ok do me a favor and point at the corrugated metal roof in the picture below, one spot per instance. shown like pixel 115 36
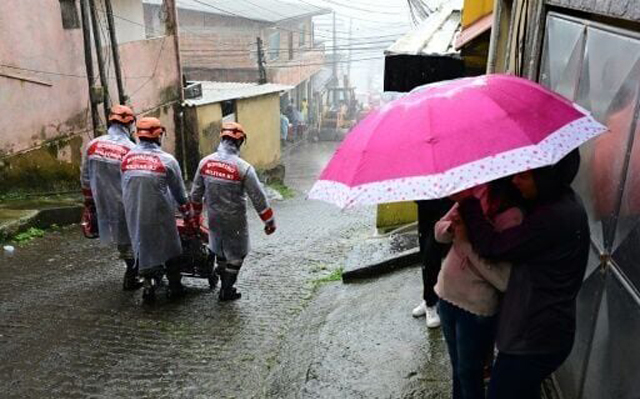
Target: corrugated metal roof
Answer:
pixel 263 10
pixel 215 92
pixel 434 36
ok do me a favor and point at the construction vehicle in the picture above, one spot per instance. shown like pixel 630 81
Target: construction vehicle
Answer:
pixel 338 112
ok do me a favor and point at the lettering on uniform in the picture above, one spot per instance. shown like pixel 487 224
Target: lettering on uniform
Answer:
pixel 220 170
pixel 143 162
pixel 107 151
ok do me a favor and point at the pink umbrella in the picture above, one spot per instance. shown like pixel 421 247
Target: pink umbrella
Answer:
pixel 447 137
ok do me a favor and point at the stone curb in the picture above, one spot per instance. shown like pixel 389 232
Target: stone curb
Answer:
pixel 404 259
pixel 42 219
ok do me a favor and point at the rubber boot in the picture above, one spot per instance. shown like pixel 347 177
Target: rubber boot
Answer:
pixel 131 281
pixel 152 281
pixel 228 278
pixel 149 289
pixel 175 289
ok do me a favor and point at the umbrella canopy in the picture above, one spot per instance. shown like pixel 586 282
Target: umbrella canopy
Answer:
pixel 447 137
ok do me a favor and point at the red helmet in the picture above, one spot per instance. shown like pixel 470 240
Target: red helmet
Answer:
pixel 122 114
pixel 150 128
pixel 233 130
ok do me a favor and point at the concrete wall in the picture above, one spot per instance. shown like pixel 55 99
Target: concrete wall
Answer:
pixel 133 11
pixel 209 123
pixel 46 105
pixel 260 117
pixel 396 214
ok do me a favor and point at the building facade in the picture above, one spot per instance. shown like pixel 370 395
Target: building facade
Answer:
pixel 255 107
pixel 221 43
pixel 44 91
pixel 590 52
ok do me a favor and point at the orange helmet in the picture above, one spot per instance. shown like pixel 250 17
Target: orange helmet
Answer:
pixel 150 128
pixel 233 130
pixel 122 114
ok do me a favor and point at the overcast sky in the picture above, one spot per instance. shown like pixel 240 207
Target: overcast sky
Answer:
pixel 376 24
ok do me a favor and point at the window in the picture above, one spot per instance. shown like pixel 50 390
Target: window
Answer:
pixel 274 46
pixel 303 34
pixel 69 14
pixel 290 45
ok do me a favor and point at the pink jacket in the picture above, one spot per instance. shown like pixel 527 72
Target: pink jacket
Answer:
pixel 465 280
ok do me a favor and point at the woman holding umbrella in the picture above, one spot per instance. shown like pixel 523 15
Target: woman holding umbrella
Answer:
pixel 549 253
pixel 469 288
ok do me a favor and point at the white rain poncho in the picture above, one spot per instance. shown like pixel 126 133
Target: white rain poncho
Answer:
pixel 225 180
pixel 151 186
pixel 101 175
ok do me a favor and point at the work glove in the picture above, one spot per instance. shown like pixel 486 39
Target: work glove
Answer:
pixel 191 216
pixel 270 227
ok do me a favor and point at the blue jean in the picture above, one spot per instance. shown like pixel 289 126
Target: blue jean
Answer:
pixel 469 339
pixel 520 376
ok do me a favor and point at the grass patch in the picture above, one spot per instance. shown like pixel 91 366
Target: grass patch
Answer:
pixel 13 196
pixel 284 190
pixel 335 275
pixel 28 235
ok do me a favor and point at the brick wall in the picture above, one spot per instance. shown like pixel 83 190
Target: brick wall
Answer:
pixel 215 47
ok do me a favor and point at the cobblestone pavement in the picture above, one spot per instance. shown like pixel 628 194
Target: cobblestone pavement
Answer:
pixel 68 331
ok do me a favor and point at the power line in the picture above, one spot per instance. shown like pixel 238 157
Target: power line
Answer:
pixel 227 12
pixel 355 8
pixel 355 46
pixel 151 29
pixel 326 63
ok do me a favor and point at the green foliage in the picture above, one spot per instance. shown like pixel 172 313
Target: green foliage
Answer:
pixel 28 235
pixel 335 275
pixel 285 191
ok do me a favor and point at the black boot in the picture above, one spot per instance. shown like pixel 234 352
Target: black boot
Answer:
pixel 175 289
pixel 131 281
pixel 227 291
pixel 152 281
pixel 149 291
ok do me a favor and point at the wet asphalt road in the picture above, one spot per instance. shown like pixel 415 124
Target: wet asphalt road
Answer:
pixel 68 331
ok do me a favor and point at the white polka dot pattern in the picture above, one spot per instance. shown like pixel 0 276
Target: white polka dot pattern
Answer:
pixel 547 152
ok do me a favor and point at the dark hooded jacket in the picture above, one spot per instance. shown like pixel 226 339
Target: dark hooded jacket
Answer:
pixel 549 252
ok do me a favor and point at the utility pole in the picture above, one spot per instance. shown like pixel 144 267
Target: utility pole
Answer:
pixel 350 49
pixel 172 29
pixel 103 75
pixel 88 60
pixel 115 50
pixel 262 77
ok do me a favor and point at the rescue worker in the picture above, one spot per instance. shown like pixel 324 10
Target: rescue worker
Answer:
pixel 151 186
pixel 102 188
pixel 224 180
